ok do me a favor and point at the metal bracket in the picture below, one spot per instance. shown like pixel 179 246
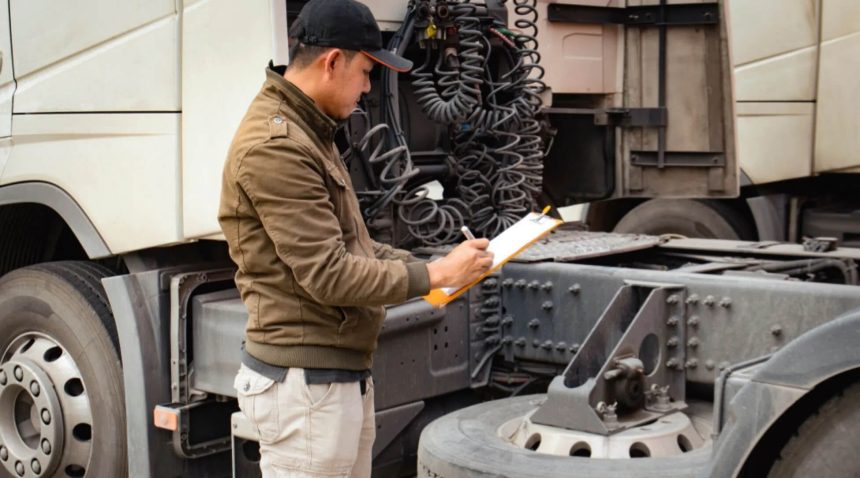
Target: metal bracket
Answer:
pixel 635 347
pixel 631 117
pixel 675 15
pixel 690 159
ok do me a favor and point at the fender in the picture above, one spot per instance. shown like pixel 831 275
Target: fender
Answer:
pixel 63 204
pixel 816 356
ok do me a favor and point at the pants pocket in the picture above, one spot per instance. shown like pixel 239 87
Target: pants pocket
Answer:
pixel 257 396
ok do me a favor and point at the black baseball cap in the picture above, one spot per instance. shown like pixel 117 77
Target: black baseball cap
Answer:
pixel 345 24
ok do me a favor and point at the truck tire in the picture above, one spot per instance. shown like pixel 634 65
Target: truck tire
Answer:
pixel 465 443
pixel 690 218
pixel 60 374
pixel 825 444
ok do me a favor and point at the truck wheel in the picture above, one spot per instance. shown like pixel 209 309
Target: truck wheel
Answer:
pixel 690 218
pixel 61 389
pixel 466 443
pixel 826 443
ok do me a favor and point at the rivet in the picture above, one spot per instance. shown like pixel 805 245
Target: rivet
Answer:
pixel 19 373
pixel 277 120
pixel 491 283
pixel 547 286
pixel 709 364
pixel 534 323
pixel 574 348
pixel 693 321
pixel 507 282
pixel 693 343
pixel 672 321
pixel 506 340
pixel 34 388
pixel 560 346
pixel 672 299
pixel 723 365
pixel 693 299
pixel 574 289
pixel 692 363
pixel 520 342
pixel 672 342
pixel 520 283
pixel 709 301
pixel 535 343
pixel 547 345
pixel 672 363
pixel 546 305
pixel 507 320
pixel 46 446
pixel 46 416
pixel 534 284
pixel 725 302
pixel 35 466
pixel 776 330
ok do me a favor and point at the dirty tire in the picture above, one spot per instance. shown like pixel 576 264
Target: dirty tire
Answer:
pixel 65 304
pixel 826 443
pixel 465 444
pixel 690 218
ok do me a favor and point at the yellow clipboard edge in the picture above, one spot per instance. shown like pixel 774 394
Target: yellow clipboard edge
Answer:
pixel 437 298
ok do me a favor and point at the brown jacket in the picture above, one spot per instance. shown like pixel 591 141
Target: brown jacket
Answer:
pixel 313 281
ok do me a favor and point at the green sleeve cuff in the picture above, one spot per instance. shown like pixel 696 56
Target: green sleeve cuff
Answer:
pixel 419 279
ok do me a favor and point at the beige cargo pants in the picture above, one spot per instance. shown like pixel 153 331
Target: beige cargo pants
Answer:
pixel 309 430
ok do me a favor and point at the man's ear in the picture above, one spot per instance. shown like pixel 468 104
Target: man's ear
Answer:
pixel 330 60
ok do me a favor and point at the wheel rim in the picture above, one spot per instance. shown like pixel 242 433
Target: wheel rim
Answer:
pixel 668 436
pixel 45 414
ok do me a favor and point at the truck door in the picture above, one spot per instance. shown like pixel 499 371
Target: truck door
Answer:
pixel 659 119
pixel 7 84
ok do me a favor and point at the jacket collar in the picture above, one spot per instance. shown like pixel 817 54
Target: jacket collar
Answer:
pixel 304 107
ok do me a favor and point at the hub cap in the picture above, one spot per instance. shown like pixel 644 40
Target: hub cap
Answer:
pixel 45 414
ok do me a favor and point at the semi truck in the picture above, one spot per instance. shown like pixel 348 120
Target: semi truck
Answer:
pixel 590 354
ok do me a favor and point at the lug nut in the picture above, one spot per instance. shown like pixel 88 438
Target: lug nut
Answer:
pixel 46 446
pixel 34 388
pixel 46 416
pixel 3 378
pixel 19 468
pixel 4 453
pixel 35 466
pixel 19 373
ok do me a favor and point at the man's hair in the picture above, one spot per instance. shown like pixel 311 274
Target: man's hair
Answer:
pixel 302 55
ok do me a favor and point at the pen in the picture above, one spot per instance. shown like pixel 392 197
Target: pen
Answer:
pixel 542 214
pixel 466 232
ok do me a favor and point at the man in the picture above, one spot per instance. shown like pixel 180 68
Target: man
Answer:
pixel 313 281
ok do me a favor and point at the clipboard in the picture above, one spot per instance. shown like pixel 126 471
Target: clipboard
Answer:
pixel 504 247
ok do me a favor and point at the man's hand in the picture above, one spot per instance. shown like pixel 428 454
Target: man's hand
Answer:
pixel 467 262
